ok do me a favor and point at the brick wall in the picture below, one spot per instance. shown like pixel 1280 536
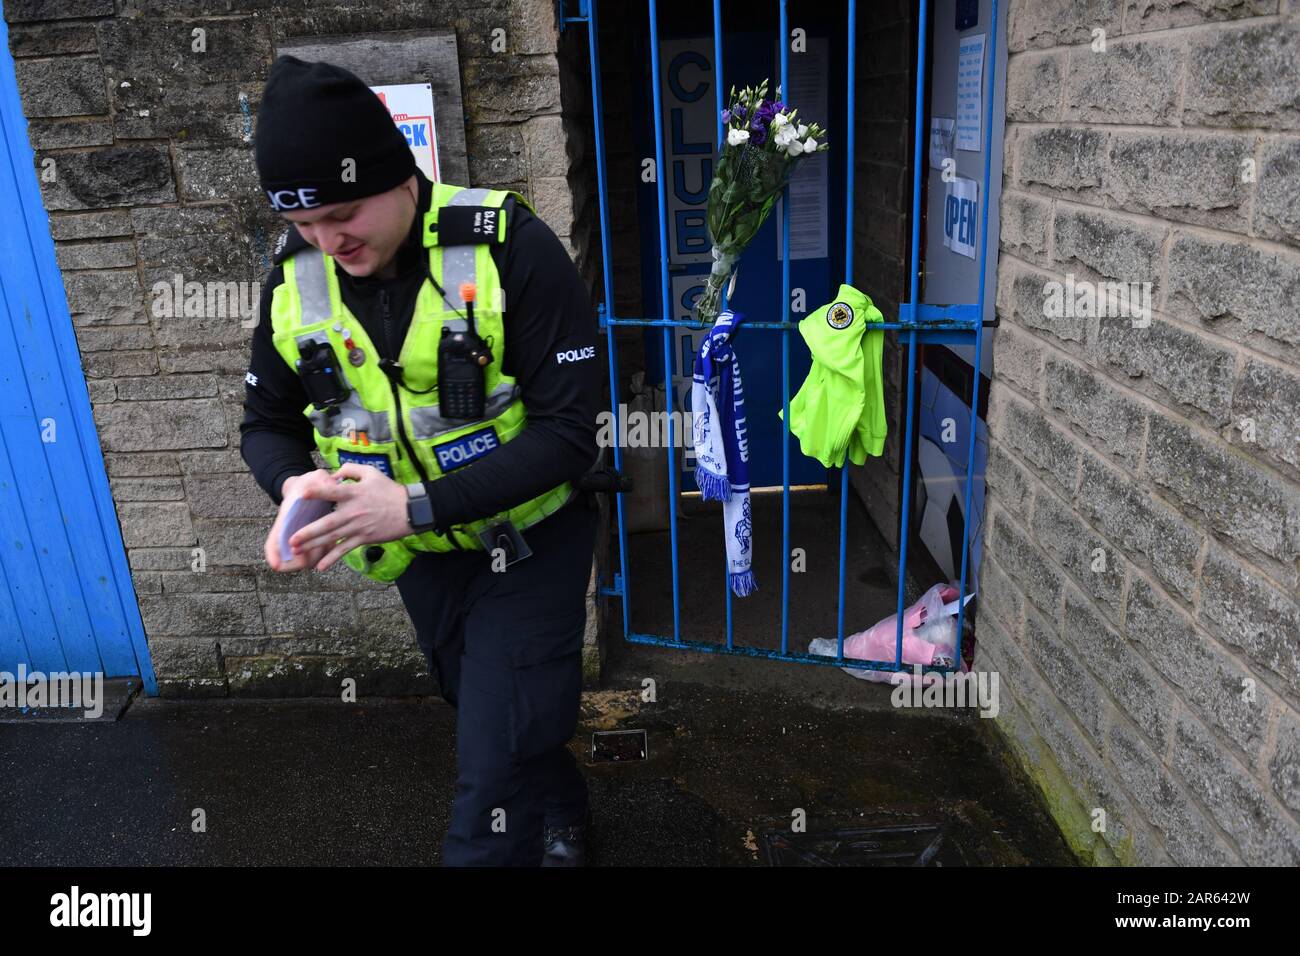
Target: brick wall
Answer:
pixel 1140 571
pixel 150 143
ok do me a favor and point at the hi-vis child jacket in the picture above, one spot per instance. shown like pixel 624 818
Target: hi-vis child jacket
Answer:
pixel 841 407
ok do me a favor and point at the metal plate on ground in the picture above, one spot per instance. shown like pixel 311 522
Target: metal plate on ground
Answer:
pixel 619 746
pixel 906 845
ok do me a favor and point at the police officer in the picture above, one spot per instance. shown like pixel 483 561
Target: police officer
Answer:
pixel 436 345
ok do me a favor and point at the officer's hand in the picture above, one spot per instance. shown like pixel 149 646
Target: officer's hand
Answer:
pixel 271 549
pixel 369 510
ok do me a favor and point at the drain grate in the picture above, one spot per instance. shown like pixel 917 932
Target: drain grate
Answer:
pixel 619 746
pixel 905 845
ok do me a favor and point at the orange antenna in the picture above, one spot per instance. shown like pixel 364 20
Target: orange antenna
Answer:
pixel 468 291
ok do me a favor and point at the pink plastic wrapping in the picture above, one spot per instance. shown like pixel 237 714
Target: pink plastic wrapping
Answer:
pixel 877 643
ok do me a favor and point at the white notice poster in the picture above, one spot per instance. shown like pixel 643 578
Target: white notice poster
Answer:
pixel 810 184
pixel 970 85
pixel 941 133
pixel 411 105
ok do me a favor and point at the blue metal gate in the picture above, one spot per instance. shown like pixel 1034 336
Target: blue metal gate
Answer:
pixel 67 602
pixel 960 323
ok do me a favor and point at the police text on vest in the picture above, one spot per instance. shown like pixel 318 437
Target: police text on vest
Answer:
pixel 461 451
pixel 575 355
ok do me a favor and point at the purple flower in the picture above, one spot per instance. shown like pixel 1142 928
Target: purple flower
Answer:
pixel 738 111
pixel 757 132
pixel 726 117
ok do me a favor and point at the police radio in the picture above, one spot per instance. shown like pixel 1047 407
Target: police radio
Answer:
pixel 462 360
pixel 318 369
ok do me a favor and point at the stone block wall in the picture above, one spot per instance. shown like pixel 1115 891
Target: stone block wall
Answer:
pixel 141 115
pixel 1141 571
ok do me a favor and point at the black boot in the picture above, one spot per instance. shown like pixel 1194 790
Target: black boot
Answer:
pixel 565 846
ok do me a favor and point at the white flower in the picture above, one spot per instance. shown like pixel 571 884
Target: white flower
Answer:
pixel 809 145
pixel 779 120
pixel 793 148
pixel 736 137
pixel 784 136
pixel 803 130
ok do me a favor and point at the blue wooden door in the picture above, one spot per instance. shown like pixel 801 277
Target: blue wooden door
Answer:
pixel 66 598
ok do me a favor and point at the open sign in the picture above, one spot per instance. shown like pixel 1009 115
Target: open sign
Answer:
pixel 960 216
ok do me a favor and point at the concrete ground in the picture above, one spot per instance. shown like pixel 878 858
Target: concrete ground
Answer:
pixel 736 748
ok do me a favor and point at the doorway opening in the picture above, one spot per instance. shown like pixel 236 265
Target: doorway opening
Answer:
pixel 829 554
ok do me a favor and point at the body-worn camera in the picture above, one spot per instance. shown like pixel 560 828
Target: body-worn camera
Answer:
pixel 319 371
pixel 462 357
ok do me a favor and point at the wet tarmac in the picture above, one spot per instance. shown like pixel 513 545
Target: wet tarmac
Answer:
pixel 319 782
pixel 750 762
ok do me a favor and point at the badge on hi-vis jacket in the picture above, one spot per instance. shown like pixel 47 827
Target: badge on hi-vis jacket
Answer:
pixel 839 315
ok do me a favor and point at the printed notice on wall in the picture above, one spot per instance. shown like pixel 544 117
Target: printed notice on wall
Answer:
pixel 970 84
pixel 411 105
pixel 960 214
pixel 810 184
pixel 941 133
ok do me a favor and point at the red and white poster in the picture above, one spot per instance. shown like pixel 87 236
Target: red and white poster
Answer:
pixel 411 105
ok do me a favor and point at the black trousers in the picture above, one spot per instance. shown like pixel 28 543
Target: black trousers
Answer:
pixel 506 649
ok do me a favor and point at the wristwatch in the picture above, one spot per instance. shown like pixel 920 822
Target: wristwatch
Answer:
pixel 419 509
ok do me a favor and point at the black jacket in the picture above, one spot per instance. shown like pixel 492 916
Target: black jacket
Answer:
pixel 548 313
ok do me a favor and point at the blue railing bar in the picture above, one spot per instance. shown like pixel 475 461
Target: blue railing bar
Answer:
pixel 593 50
pixel 848 277
pixel 988 154
pixel 718 83
pixel 769 653
pixel 665 296
pixel 718 86
pixel 785 355
pixel 979 331
pixel 919 163
pixel 624 586
pixel 966 312
pixel 581 17
pixel 936 325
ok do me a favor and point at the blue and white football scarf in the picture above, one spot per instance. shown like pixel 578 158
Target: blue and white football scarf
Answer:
pixel 721 450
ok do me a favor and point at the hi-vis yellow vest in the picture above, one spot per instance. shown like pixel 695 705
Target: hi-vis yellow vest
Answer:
pixel 399 429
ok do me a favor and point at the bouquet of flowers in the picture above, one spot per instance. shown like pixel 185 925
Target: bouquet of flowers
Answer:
pixel 764 142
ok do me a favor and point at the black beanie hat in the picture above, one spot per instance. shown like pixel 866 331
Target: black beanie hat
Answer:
pixel 312 118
